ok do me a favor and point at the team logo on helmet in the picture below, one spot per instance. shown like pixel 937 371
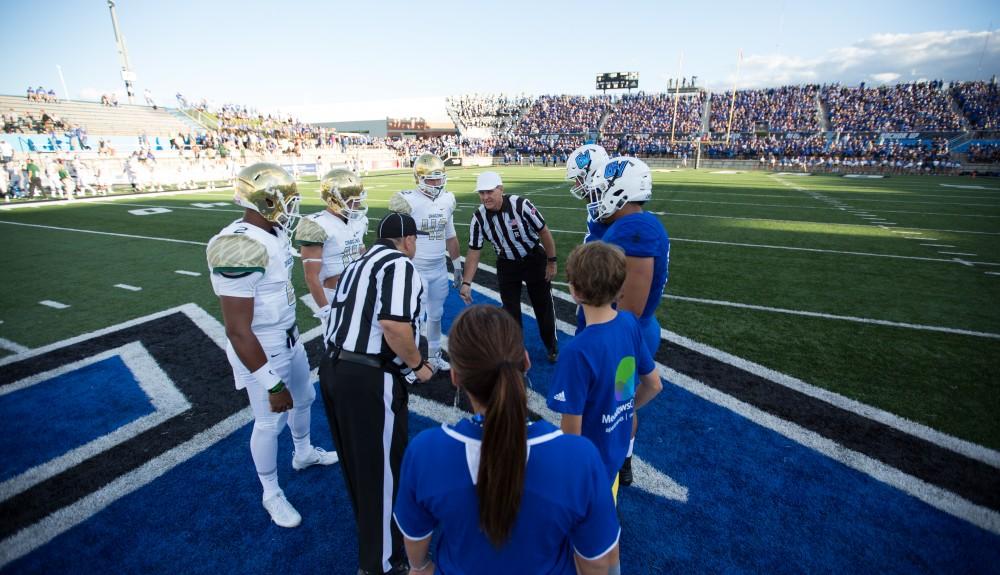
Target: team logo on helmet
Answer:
pixel 583 160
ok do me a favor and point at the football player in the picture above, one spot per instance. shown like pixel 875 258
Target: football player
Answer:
pixel 331 239
pixel 619 190
pixel 433 208
pixel 581 163
pixel 251 262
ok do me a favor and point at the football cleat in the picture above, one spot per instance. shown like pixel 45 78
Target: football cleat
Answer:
pixel 315 456
pixel 438 362
pixel 625 473
pixel 281 511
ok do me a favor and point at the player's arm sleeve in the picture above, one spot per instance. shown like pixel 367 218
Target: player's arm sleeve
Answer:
pixel 237 263
pixel 449 231
pixel 309 233
pixel 597 531
pixel 397 203
pixel 569 388
pixel 476 232
pixel 411 515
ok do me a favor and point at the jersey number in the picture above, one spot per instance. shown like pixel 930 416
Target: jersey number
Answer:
pixel 434 226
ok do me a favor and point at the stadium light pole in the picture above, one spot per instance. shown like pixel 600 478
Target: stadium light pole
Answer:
pixel 127 75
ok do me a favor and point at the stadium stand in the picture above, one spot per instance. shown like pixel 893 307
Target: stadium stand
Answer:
pixel 784 109
pixel 900 108
pixel 654 114
pixel 123 120
pixel 980 102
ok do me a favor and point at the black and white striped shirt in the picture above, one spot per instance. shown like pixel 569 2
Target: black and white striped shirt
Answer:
pixel 513 230
pixel 382 284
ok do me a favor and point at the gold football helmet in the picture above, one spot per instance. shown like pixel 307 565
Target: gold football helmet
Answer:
pixel 428 171
pixel 270 191
pixel 343 192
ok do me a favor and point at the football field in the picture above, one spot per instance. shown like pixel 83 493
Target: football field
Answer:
pixel 837 333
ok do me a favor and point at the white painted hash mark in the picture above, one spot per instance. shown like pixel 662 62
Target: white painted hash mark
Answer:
pixel 12 346
pixel 53 304
pixel 128 287
pixel 957 253
pixel 187 273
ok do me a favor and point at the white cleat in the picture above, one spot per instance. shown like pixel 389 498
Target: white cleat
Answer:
pixel 315 456
pixel 438 363
pixel 282 512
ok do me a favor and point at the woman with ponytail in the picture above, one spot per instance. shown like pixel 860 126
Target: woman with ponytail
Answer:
pixel 503 495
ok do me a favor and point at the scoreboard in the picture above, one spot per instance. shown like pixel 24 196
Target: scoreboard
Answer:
pixel 618 81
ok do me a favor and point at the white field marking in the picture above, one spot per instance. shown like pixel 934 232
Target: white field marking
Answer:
pixel 810 222
pixel 966 448
pixel 915 326
pixel 653 481
pixel 11 346
pixel 310 302
pixel 61 229
pixel 916 238
pixel 934 496
pixel 904 231
pixel 930 494
pixel 937 245
pixel 965 263
pixel 992 273
pixel 53 304
pixel 102 199
pixel 149 211
pixel 128 287
pixel 892 224
pixel 167 402
pixel 187 273
pixel 957 254
pixel 967 187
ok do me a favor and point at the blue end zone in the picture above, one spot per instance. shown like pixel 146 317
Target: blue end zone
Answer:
pixel 758 503
pixel 49 418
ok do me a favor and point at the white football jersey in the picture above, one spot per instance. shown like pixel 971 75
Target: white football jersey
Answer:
pixel 246 261
pixel 342 241
pixel 436 217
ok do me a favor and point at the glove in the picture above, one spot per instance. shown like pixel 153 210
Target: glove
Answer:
pixel 323 313
pixel 458 277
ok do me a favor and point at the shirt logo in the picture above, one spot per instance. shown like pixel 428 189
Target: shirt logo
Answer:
pixel 625 379
pixel 561 396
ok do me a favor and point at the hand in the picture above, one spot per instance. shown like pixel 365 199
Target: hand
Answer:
pixel 429 570
pixel 550 271
pixel 457 276
pixel 466 293
pixel 281 401
pixel 424 373
pixel 323 313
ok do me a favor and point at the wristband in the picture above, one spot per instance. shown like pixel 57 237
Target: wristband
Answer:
pixel 278 388
pixel 422 567
pixel 467 284
pixel 266 377
pixel 553 259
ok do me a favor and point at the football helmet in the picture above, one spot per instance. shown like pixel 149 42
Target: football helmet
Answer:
pixel 343 192
pixel 622 180
pixel 579 165
pixel 428 168
pixel 270 191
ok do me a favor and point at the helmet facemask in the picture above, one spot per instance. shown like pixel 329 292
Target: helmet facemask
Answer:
pixel 432 191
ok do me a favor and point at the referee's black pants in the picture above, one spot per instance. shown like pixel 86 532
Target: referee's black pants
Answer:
pixel 530 270
pixel 367 410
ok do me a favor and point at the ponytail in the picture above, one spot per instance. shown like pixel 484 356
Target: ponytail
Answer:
pixel 503 455
pixel 488 361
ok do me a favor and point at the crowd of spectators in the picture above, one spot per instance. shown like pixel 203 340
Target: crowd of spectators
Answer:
pixel 654 114
pixel 984 153
pixel 784 109
pixel 40 94
pixel 110 100
pixel 564 114
pixel 899 108
pixel 980 102
pixel 497 112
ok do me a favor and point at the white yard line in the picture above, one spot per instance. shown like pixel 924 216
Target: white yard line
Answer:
pixel 957 254
pixel 865 320
pixel 61 229
pixel 936 245
pixel 12 346
pixel 53 304
pixel 128 287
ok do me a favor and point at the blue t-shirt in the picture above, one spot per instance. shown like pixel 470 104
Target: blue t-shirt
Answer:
pixel 566 506
pixel 596 377
pixel 595 229
pixel 642 235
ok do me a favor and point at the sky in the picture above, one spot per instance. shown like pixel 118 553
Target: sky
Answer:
pixel 367 59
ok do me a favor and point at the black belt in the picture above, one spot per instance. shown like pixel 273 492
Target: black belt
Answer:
pixel 358 358
pixel 291 336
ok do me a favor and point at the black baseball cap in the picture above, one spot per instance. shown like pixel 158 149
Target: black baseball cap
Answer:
pixel 396 225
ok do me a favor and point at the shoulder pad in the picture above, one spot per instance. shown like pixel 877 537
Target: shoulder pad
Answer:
pixel 309 233
pixel 237 253
pixel 397 203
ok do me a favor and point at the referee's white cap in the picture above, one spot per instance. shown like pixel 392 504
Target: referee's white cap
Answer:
pixel 488 181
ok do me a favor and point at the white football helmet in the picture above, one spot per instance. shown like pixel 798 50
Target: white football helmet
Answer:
pixel 580 163
pixel 622 180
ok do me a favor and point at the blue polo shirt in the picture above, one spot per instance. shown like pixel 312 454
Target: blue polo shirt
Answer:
pixel 641 235
pixel 566 506
pixel 596 378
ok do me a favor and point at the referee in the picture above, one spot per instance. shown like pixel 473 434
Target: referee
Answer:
pixel 525 250
pixel 370 347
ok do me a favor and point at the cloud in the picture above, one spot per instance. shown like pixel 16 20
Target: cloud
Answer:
pixel 884 58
